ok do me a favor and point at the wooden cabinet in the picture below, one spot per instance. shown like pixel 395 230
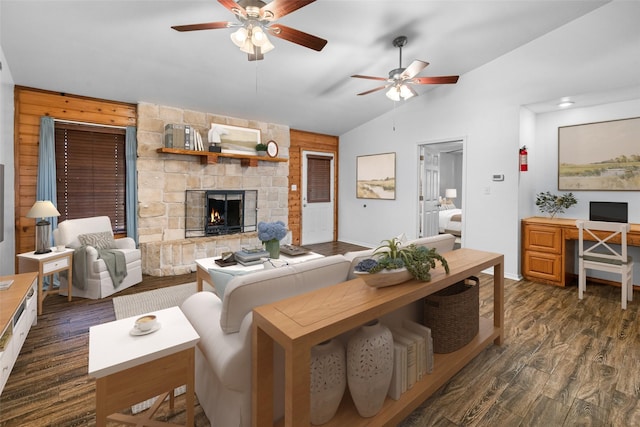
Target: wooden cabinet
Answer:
pixel 542 252
pixel 18 312
pixel 300 322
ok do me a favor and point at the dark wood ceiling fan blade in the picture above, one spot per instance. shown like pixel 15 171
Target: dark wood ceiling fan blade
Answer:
pixel 280 8
pixel 233 7
pixel 297 37
pixel 435 80
pixel 360 76
pixel 205 26
pixel 373 90
pixel 413 69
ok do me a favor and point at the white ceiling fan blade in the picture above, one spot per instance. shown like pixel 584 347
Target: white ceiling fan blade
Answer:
pixel 413 69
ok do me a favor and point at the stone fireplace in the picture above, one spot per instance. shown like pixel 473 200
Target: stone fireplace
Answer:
pixel 168 238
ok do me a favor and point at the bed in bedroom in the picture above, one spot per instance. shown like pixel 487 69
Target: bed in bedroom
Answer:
pixel 450 220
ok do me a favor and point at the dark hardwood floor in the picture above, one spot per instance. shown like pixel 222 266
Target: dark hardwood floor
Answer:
pixel 565 362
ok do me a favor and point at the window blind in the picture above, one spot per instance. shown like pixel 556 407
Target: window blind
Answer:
pixel 91 173
pixel 318 179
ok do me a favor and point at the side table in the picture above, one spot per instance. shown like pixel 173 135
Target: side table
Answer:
pixel 130 369
pixel 46 265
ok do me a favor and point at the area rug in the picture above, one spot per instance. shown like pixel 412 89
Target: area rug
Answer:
pixel 158 299
pixel 145 302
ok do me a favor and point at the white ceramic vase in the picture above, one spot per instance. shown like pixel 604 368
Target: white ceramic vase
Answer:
pixel 328 380
pixel 369 367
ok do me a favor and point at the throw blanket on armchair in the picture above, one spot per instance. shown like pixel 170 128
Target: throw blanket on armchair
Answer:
pixel 113 259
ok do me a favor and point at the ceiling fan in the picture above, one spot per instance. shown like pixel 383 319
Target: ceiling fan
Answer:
pixel 400 79
pixel 257 18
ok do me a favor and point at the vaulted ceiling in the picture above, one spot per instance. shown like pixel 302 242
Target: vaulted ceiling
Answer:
pixel 127 51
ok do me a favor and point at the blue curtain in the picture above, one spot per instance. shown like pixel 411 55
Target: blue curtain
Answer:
pixel 46 181
pixel 131 150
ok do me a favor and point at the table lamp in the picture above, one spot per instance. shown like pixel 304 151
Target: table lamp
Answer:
pixel 43 209
pixel 450 193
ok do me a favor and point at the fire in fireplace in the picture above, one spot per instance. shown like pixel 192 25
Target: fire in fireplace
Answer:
pixel 219 212
pixel 225 212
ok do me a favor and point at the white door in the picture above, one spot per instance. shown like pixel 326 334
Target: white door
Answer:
pixel 317 197
pixel 429 191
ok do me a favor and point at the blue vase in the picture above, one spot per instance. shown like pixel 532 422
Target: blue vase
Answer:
pixel 273 247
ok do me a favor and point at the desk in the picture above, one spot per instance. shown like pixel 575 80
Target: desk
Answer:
pixel 300 322
pixel 129 369
pixel 46 265
pixel 204 264
pixel 548 248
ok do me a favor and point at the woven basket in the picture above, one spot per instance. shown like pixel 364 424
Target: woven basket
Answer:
pixel 453 314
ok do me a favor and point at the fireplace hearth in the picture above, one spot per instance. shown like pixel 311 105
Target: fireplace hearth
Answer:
pixel 220 212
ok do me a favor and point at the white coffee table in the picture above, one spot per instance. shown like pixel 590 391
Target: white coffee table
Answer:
pixel 130 369
pixel 204 264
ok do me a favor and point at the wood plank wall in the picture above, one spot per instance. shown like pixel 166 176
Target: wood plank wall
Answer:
pixel 30 105
pixel 301 140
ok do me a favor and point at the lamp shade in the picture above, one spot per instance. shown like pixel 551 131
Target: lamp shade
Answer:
pixel 42 209
pixel 451 193
pixel 393 93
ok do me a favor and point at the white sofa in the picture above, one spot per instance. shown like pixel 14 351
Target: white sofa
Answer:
pixel 223 355
pixel 98 283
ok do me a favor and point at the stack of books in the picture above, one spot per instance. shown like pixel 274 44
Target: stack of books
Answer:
pixel 250 256
pixel 183 137
pixel 413 356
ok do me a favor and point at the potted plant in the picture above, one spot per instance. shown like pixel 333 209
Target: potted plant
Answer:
pixel 552 204
pixel 261 149
pixel 395 264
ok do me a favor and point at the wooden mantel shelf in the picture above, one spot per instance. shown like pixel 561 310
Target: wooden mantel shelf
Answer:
pixel 207 158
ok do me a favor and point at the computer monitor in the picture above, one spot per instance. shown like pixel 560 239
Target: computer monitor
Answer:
pixel 609 211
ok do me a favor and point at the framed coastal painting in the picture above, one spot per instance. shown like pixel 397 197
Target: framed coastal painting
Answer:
pixel 376 176
pixel 238 140
pixel 602 156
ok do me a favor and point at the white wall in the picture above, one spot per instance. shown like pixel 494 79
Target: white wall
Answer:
pixel 546 162
pixel 546 146
pixel 7 247
pixel 597 52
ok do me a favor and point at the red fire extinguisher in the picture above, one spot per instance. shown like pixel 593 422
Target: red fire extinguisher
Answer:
pixel 523 159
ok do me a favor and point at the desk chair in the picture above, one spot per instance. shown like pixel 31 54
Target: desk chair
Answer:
pixel 599 255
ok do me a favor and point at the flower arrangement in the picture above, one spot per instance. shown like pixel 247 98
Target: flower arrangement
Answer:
pixel 271 230
pixel 552 204
pixel 270 233
pixel 417 260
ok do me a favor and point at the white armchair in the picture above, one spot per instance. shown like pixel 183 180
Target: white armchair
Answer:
pixel 97 283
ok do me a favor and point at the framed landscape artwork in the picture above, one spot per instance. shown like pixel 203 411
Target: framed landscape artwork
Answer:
pixel 602 156
pixel 239 140
pixel 376 176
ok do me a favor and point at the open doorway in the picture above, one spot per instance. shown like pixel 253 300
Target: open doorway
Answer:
pixel 441 188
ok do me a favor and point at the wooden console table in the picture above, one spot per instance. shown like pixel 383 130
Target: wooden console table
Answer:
pixel 300 322
pixel 549 248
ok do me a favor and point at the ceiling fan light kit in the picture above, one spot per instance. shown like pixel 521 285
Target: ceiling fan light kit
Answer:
pixel 257 18
pixel 400 78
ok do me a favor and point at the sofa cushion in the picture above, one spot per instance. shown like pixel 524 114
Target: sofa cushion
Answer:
pixel 220 278
pixel 100 240
pixel 243 293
